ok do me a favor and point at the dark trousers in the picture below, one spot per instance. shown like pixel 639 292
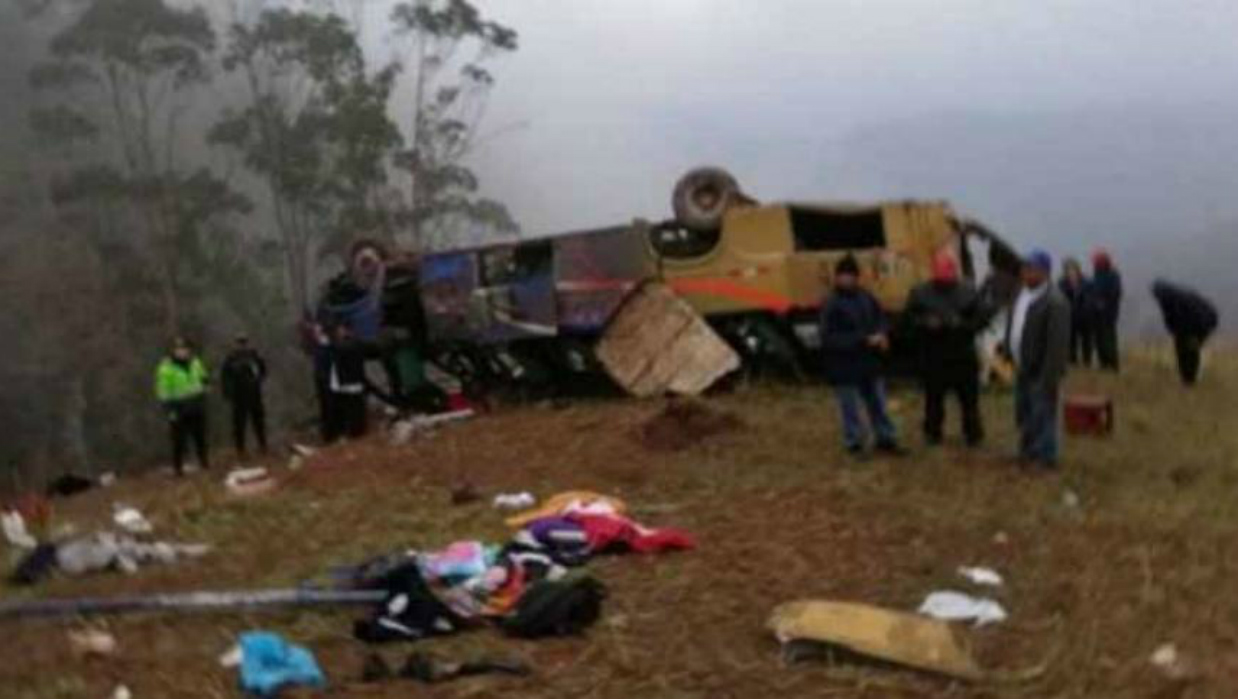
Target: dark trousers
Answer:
pixel 965 385
pixel 249 412
pixel 347 416
pixel 1036 412
pixel 1188 348
pixel 188 422
pixel 1082 344
pixel 1106 345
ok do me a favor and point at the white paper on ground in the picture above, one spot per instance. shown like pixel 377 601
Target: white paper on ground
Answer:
pixel 955 606
pixel 131 520
pixel 14 526
pixel 514 501
pixel 980 576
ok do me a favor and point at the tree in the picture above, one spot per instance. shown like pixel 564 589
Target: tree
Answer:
pixel 448 103
pixel 121 71
pixel 314 127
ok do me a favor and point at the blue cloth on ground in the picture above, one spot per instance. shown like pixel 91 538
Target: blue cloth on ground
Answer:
pixel 270 663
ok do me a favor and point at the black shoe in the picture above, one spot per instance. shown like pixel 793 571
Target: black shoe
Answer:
pixel 890 448
pixel 857 451
pixel 933 440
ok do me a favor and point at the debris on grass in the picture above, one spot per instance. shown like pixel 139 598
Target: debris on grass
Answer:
pixel 14 526
pixel 247 482
pixel 90 642
pixel 875 633
pixel 269 664
pixel 513 501
pixel 981 576
pixel 1171 662
pixel 956 606
pixel 130 519
pixel 684 423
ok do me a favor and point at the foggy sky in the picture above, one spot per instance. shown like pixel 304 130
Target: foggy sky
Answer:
pixel 1061 123
pixel 613 100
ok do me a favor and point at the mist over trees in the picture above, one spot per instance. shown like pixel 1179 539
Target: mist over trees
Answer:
pixel 198 168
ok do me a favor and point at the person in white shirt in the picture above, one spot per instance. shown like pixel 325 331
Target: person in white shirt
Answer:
pixel 1038 340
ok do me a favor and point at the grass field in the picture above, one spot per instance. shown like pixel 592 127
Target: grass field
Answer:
pixel 1147 556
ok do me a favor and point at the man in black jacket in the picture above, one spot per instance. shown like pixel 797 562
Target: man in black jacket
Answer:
pixel 853 336
pixel 241 379
pixel 1037 338
pixel 1191 319
pixel 946 315
pixel 348 386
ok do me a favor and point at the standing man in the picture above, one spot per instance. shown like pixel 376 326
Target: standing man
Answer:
pixel 854 336
pixel 241 379
pixel 1077 291
pixel 1106 293
pixel 946 315
pixel 1037 338
pixel 1190 319
pixel 347 386
pixel 181 386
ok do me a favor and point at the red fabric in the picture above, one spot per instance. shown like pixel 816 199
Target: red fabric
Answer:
pixel 606 531
pixel 944 267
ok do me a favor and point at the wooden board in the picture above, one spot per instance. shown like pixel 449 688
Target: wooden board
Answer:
pixel 897 637
pixel 656 343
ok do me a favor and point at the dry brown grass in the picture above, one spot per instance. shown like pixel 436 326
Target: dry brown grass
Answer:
pixel 780 513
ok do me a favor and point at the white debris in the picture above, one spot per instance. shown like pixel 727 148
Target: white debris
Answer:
pixel 956 606
pixel 302 450
pixel 107 478
pixel 1170 662
pixel 1070 500
pixel 122 692
pixel 92 642
pixel 249 481
pixel 231 657
pixel 981 576
pixel 105 550
pixel 1000 539
pixel 14 526
pixel 130 519
pixel 514 501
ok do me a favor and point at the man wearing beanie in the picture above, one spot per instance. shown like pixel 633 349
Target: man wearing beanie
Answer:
pixel 1037 338
pixel 854 336
pixel 945 315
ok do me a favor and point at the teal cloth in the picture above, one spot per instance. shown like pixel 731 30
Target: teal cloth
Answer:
pixel 270 663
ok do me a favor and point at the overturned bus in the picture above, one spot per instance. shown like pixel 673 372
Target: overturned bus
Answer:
pixel 529 311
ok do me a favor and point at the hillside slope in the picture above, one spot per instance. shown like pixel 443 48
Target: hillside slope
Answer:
pixel 1148 555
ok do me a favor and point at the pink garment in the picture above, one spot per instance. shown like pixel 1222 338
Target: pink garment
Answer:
pixel 606 532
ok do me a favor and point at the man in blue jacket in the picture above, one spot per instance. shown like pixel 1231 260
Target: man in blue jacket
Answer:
pixel 854 336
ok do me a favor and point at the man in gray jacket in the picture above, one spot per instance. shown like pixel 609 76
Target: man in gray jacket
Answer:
pixel 1037 338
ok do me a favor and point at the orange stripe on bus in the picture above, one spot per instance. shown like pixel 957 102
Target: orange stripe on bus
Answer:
pixel 729 289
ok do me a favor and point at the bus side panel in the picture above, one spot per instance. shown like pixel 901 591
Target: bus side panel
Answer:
pixel 594 273
pixel 447 282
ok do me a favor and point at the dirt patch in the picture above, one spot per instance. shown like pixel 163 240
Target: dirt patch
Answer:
pixel 684 423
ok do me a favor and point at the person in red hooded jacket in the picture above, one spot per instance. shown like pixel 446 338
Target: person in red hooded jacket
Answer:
pixel 944 316
pixel 1105 294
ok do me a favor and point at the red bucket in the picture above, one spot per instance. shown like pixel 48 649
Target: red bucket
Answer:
pixel 1088 415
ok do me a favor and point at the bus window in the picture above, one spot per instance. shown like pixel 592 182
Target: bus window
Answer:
pixel 819 230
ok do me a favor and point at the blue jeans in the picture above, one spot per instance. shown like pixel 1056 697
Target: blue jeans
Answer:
pixel 872 394
pixel 1036 411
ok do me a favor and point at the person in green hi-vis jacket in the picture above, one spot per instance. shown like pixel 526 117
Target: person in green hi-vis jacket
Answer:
pixel 181 387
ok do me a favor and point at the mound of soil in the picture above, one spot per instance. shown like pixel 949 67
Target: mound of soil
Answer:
pixel 683 423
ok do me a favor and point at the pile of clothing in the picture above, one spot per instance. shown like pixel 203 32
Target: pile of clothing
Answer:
pixel 574 526
pixel 523 586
